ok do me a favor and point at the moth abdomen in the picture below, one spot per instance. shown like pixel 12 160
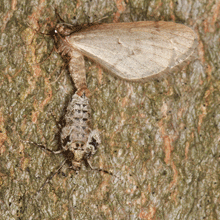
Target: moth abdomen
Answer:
pixel 78 72
pixel 76 60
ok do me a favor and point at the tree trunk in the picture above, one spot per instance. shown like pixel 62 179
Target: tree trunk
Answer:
pixel 160 139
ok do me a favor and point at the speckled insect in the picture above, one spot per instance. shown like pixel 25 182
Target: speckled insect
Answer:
pixel 76 136
pixel 78 141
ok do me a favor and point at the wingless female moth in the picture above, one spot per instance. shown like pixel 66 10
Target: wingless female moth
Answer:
pixel 135 51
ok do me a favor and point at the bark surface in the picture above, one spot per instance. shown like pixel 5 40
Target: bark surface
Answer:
pixel 159 138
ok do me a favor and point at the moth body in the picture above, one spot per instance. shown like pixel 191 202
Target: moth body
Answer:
pixel 76 65
pixel 76 135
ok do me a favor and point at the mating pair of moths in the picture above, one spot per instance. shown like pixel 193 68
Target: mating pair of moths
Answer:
pixel 132 51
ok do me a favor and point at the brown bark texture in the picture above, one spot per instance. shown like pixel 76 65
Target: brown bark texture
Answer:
pixel 160 139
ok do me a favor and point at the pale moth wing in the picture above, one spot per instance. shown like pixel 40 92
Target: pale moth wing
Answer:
pixel 135 51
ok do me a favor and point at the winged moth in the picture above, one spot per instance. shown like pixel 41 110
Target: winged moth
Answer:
pixel 133 51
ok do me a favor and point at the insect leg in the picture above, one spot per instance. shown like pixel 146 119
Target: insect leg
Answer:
pixel 71 203
pixel 43 147
pixel 88 163
pixel 51 176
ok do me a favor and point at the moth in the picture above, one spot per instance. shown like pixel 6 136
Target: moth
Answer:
pixel 77 136
pixel 133 51
pixel 78 141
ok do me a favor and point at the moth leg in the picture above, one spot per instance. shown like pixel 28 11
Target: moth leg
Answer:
pixel 72 203
pixel 43 147
pixel 100 169
pixel 58 15
pixel 41 62
pixel 34 198
pixel 59 75
pixel 37 31
pixel 51 176
pixel 57 121
pixel 90 165
pixel 58 151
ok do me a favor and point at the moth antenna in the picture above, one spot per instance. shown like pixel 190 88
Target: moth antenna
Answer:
pixel 58 15
pixel 62 71
pixel 92 23
pixel 67 24
pixel 100 19
pixel 110 173
pixel 49 178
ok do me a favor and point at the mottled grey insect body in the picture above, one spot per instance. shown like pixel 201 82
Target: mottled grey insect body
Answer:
pixel 76 135
pixel 78 141
pixel 133 51
pixel 77 120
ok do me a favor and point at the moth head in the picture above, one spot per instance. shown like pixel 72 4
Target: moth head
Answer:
pixel 65 29
pixel 62 30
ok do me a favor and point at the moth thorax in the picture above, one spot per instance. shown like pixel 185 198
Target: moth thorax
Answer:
pixel 63 30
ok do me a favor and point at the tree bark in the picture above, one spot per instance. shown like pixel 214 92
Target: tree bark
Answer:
pixel 160 139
